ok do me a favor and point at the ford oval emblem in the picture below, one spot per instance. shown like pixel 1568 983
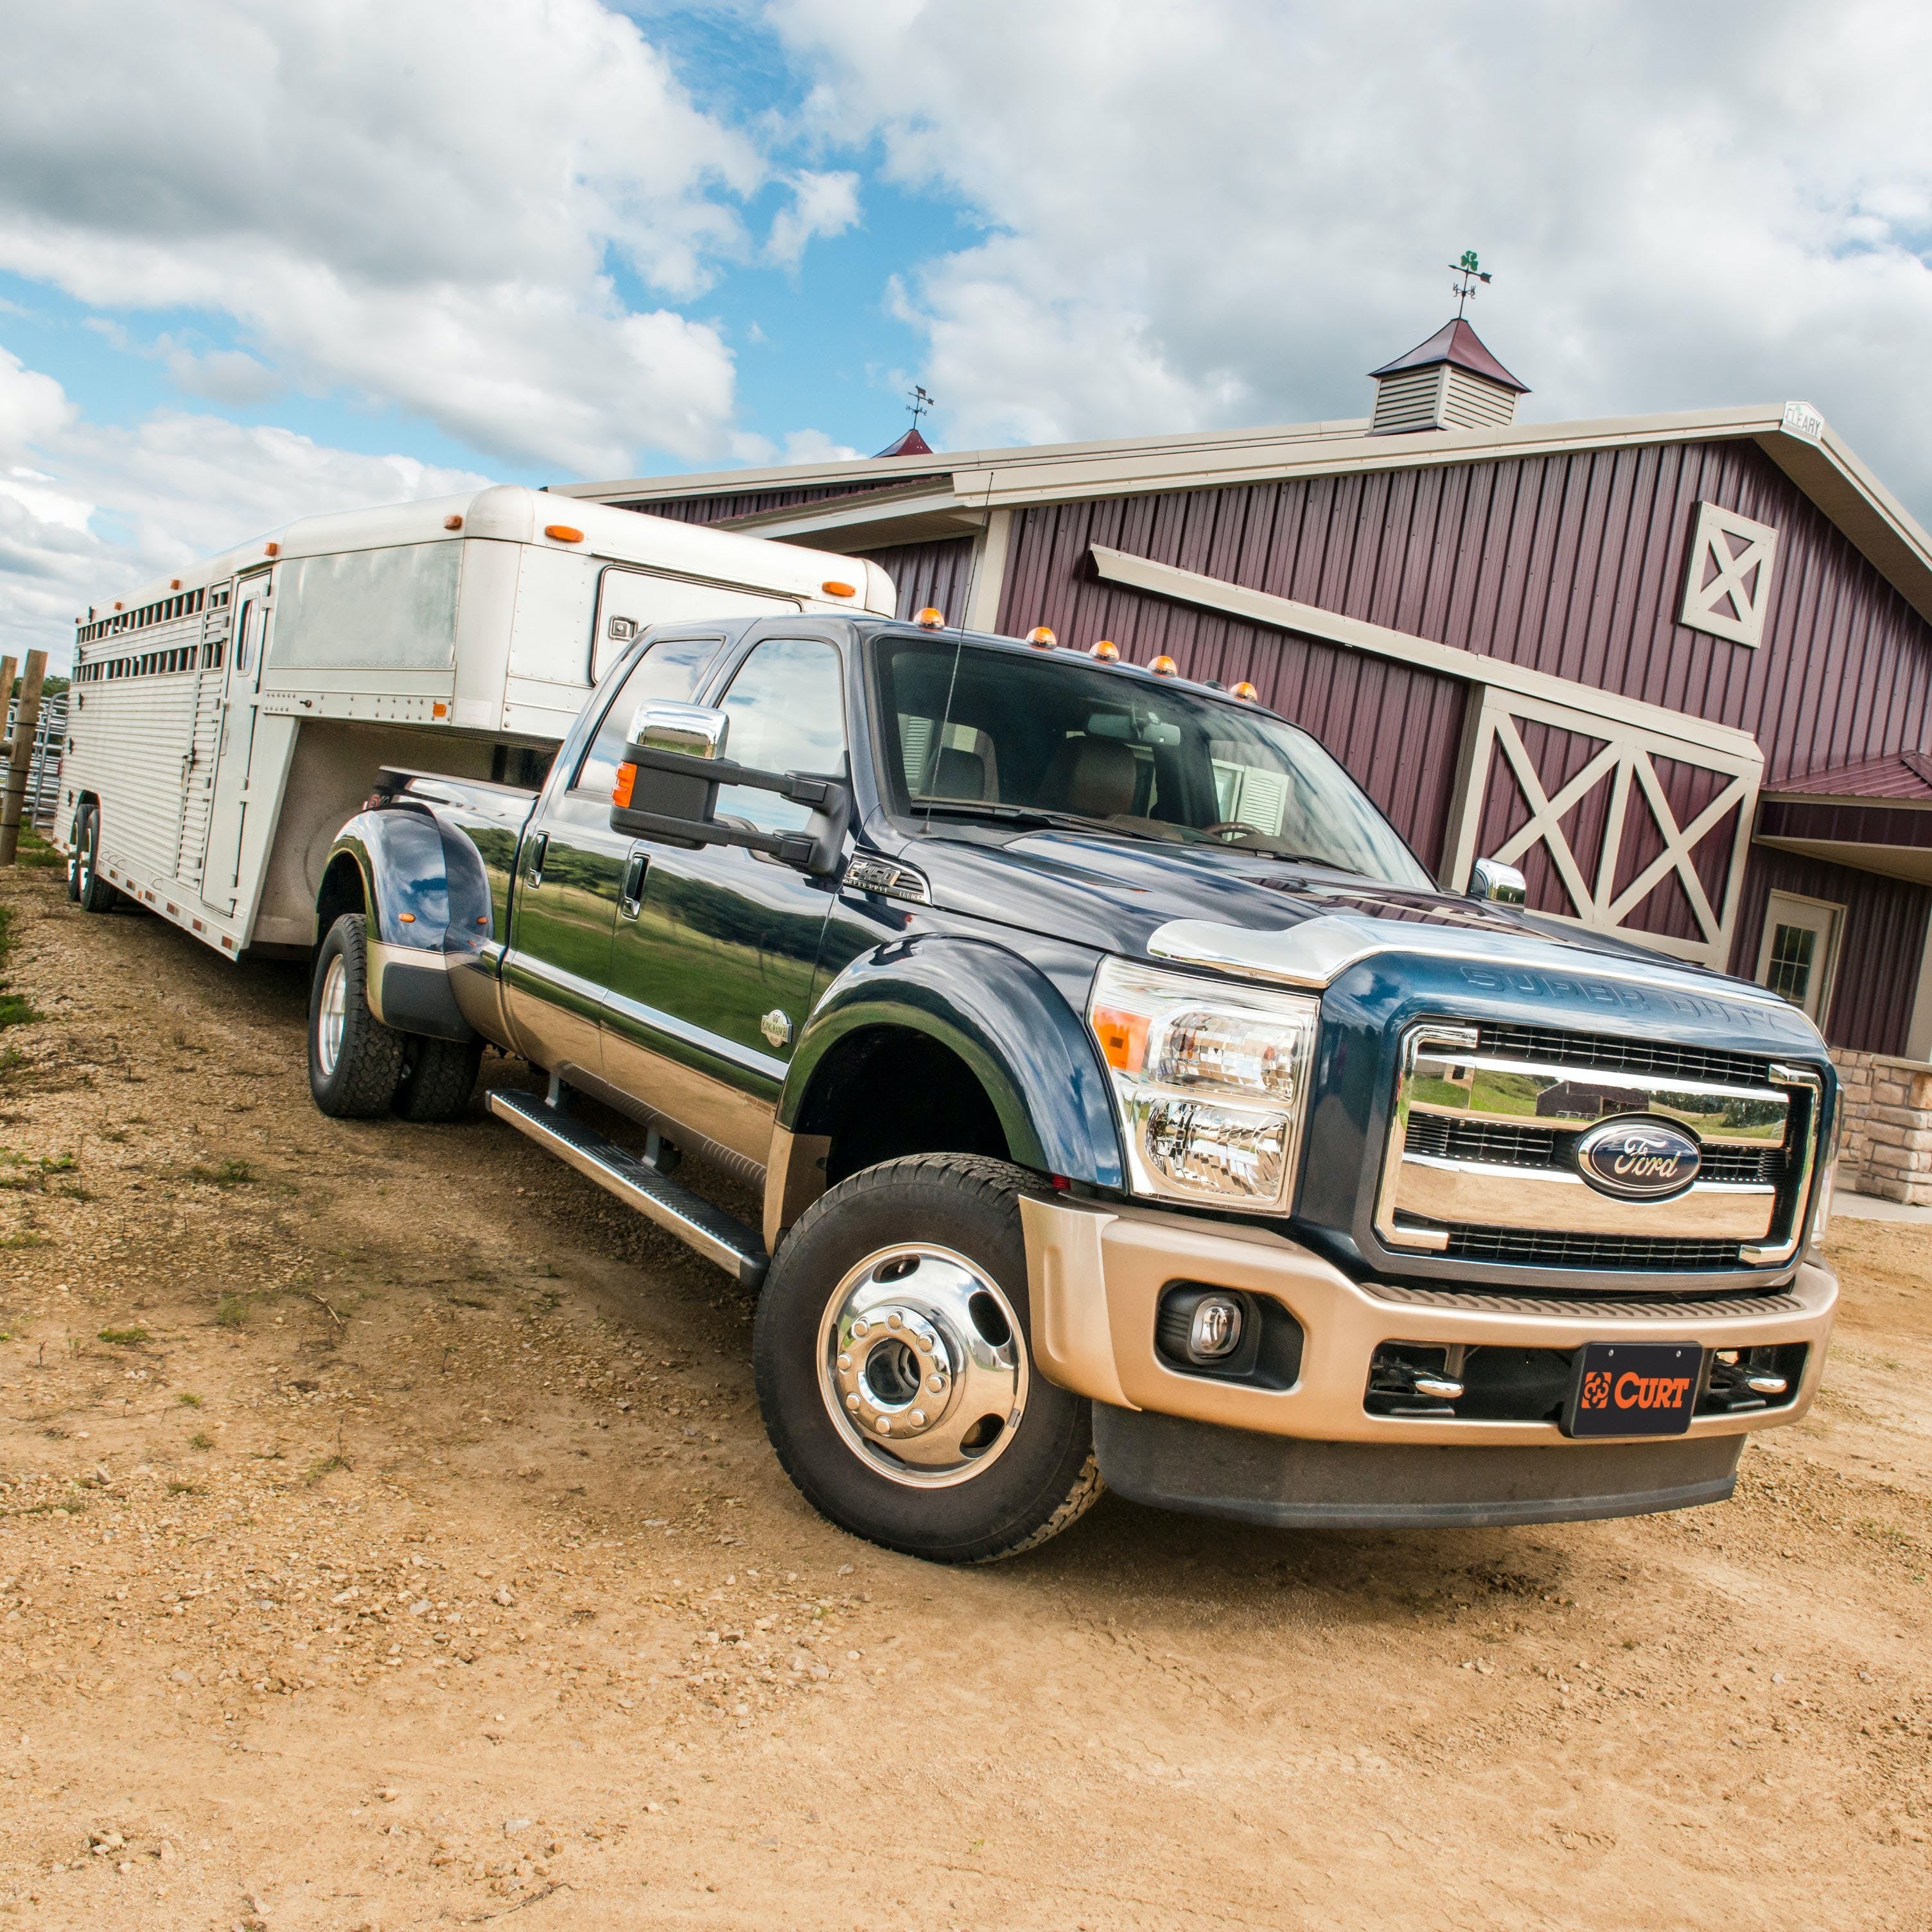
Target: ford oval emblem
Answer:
pixel 1639 1159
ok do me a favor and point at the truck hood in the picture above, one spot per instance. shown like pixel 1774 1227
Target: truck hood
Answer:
pixel 1141 899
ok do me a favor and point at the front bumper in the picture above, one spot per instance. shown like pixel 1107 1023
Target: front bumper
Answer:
pixel 1095 1274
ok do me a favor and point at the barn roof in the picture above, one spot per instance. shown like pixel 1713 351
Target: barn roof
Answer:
pixel 1455 342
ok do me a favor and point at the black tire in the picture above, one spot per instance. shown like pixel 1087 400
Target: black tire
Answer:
pixel 353 1067
pixel 1030 1480
pixel 439 1076
pixel 85 884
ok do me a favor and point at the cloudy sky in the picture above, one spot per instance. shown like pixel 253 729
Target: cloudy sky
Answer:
pixel 261 257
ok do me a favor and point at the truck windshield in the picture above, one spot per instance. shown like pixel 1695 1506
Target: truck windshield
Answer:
pixel 972 731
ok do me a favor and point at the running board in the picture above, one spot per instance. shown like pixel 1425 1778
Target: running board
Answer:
pixel 716 1235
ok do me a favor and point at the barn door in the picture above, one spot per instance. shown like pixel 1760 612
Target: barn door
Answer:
pixel 228 812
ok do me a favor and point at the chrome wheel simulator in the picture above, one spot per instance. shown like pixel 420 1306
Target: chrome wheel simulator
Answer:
pixel 921 1366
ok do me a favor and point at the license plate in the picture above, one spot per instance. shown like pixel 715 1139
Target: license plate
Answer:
pixel 1633 1388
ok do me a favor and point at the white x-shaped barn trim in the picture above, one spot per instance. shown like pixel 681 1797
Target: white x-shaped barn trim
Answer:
pixel 1727 588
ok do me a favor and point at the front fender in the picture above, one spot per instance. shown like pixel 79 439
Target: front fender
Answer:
pixel 1029 1049
pixel 412 898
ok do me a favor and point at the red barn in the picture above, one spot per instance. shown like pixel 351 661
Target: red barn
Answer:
pixel 1677 668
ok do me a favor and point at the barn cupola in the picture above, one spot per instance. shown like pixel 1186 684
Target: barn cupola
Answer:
pixel 1450 381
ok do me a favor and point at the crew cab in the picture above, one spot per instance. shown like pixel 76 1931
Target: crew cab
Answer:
pixel 1127 1107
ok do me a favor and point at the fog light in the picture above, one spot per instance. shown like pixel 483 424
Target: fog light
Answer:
pixel 1215 1333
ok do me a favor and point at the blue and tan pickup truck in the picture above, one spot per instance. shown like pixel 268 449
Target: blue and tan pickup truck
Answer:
pixel 1128 1107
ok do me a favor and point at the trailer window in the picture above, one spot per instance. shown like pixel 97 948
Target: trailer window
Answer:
pixel 669 669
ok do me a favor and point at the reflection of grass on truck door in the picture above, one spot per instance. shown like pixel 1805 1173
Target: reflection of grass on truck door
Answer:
pixel 721 984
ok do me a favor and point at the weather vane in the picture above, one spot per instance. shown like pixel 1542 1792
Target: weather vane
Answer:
pixel 921 402
pixel 1468 274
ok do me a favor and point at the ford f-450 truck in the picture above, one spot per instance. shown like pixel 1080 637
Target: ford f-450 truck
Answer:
pixel 1128 1107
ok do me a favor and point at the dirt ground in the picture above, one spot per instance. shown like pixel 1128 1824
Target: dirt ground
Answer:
pixel 387 1538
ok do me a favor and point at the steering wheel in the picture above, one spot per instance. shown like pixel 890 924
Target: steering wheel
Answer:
pixel 1237 828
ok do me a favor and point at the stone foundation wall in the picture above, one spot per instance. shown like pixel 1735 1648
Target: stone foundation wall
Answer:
pixel 1886 1146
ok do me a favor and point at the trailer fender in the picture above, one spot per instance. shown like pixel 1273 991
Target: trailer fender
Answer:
pixel 1029 1050
pixel 401 862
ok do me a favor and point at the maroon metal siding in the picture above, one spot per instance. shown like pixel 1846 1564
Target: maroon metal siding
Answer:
pixel 1573 564
pixel 936 573
pixel 1878 951
pixel 753 502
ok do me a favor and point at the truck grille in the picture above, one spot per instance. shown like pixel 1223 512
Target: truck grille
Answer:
pixel 1544 1147
pixel 1634 1056
pixel 1485 1161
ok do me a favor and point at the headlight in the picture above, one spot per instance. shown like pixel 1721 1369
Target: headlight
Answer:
pixel 1211 1082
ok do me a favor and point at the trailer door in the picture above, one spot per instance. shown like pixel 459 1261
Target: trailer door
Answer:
pixel 247 641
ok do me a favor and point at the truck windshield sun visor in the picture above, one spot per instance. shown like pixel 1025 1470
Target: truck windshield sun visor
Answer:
pixel 983 730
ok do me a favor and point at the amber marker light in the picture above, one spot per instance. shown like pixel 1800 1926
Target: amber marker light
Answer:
pixel 1164 666
pixel 833 588
pixel 452 523
pixel 931 619
pixel 563 533
pixel 1041 638
pixel 1246 692
pixel 174 584
pixel 620 792
pixel 271 549
pixel 1123 1037
pixel 439 708
pixel 1106 650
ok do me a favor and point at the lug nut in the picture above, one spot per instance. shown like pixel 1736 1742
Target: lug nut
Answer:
pixel 852 1402
pixel 884 1425
pixel 893 1319
pixel 935 1383
pixel 844 1364
pixel 862 1329
pixel 917 1418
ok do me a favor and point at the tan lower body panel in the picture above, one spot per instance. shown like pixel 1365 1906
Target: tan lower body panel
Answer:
pixel 1095 1276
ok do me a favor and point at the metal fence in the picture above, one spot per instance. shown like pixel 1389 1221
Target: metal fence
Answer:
pixel 41 806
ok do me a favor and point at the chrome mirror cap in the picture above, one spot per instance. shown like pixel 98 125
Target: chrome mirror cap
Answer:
pixel 1491 879
pixel 695 730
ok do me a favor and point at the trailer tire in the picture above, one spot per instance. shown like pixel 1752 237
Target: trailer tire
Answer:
pixel 439 1076
pixel 355 1061
pixel 909 1277
pixel 85 885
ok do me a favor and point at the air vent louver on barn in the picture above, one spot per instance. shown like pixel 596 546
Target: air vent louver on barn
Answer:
pixel 1450 381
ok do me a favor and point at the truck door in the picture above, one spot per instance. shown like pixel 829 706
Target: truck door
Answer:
pixel 235 743
pixel 571 869
pixel 712 966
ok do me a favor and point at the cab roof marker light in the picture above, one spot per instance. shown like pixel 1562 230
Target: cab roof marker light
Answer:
pixel 452 523
pixel 1246 692
pixel 1041 638
pixel 1106 650
pixel 931 619
pixel 832 587
pixel 271 549
pixel 563 533
pixel 1164 666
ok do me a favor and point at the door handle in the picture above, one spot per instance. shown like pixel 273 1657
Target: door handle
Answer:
pixel 631 899
pixel 539 845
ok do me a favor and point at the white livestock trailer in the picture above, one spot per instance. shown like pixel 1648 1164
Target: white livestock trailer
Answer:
pixel 224 724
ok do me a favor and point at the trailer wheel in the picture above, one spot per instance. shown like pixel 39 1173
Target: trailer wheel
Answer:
pixel 895 1373
pixel 439 1075
pixel 354 1061
pixel 84 882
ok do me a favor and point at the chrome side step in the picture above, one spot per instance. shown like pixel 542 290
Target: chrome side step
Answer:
pixel 716 1235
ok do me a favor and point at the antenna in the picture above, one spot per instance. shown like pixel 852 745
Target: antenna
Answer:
pixel 1468 274
pixel 922 402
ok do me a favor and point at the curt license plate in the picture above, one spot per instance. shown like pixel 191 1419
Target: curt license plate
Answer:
pixel 1633 1388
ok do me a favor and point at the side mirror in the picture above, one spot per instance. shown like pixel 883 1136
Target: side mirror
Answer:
pixel 666 789
pixel 1491 879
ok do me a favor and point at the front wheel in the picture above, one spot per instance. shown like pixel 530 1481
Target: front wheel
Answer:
pixel 354 1061
pixel 895 1373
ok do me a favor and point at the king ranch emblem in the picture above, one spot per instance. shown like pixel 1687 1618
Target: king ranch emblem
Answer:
pixel 1638 1159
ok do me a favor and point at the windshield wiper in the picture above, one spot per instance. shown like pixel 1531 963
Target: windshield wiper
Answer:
pixel 1029 814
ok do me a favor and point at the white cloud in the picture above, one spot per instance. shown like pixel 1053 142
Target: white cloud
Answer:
pixel 813 446
pixel 1227 212
pixel 822 205
pixel 420 204
pixel 87 512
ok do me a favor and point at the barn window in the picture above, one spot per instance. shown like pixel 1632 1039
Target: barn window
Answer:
pixel 1727 589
